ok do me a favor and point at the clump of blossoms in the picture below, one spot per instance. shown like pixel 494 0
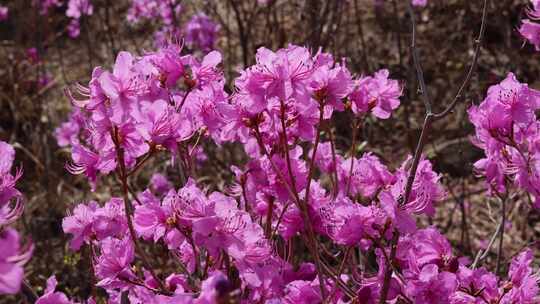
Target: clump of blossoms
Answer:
pixel 13 255
pixel 199 32
pixel 75 10
pixel 508 131
pixel 165 12
pixel 295 193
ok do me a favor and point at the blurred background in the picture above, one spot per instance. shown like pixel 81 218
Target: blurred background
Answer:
pixel 47 46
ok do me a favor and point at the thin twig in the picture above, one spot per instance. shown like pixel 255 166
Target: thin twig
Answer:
pixel 129 207
pixel 28 292
pixel 472 68
pixel 429 118
pixel 352 154
pixel 417 65
pixel 483 254
pixel 501 236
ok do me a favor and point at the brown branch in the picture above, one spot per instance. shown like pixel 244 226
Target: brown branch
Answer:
pixel 129 207
pixel 429 118
pixel 472 68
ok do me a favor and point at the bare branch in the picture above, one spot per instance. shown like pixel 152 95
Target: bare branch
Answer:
pixel 472 68
pixel 417 64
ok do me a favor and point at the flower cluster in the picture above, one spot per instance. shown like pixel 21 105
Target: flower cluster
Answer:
pixel 12 255
pixel 508 131
pixel 145 105
pixel 165 12
pixel 200 32
pixel 75 10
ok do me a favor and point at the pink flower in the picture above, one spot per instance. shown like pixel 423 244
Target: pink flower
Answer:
pixel 531 31
pixel 89 163
pixel 77 8
pixel 426 190
pixel 166 65
pixel 369 175
pixel 478 282
pixel 67 134
pixel 90 222
pixel 74 28
pixel 4 10
pixel 205 108
pixel 426 246
pixel 432 286
pixel 378 94
pixel 506 129
pixel 160 184
pixel 153 9
pixel 80 224
pixel 330 85
pixel 52 297
pixel 207 70
pixel 12 259
pixel 214 289
pixel 113 266
pixel 324 158
pixel 419 2
pixel 278 75
pixel 351 224
pixel 155 221
pixel 535 11
pixel 302 292
pixel 159 124
pixel 7 181
pixel 524 280
pixel 120 87
pixel 201 32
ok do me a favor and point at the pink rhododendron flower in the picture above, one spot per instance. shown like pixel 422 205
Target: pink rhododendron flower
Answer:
pixel 432 286
pixel 160 184
pixel 351 224
pixel 419 2
pixel 531 31
pixel 89 222
pixel 12 258
pixel 426 190
pixel 524 281
pixel 4 11
pixel 201 32
pixel 113 266
pixel 506 128
pixel 77 8
pixel 377 94
pixel 51 296
pixel 7 180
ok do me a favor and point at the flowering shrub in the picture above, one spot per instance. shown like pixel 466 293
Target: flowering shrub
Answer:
pixel 300 221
